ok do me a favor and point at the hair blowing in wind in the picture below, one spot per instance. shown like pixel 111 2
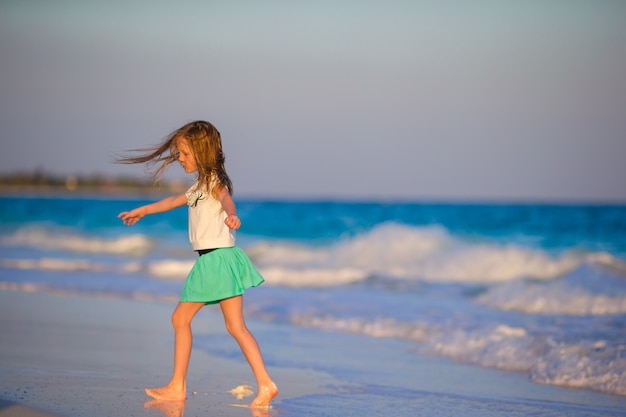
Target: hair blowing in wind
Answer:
pixel 206 144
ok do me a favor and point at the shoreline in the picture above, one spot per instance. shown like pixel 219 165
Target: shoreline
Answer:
pixel 92 356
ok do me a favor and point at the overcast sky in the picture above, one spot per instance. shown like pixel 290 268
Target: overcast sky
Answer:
pixel 462 100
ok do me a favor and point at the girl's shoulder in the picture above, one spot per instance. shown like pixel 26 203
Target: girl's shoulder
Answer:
pixel 201 184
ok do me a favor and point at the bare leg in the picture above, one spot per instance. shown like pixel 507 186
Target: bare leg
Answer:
pixel 232 308
pixel 176 390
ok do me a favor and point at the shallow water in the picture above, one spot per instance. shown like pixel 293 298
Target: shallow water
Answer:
pixel 533 289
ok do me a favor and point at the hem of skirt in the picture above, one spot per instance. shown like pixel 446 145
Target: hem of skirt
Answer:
pixel 217 300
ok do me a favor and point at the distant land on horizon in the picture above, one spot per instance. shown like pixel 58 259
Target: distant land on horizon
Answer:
pixel 40 180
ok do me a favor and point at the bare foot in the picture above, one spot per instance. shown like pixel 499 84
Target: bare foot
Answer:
pixel 167 408
pixel 167 394
pixel 264 396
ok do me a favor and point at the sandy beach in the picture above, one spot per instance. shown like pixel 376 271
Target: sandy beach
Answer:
pixel 76 356
pixel 92 356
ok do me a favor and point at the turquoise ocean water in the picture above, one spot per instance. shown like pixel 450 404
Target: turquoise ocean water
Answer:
pixel 531 288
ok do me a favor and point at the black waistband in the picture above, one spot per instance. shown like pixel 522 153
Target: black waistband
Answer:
pixel 205 251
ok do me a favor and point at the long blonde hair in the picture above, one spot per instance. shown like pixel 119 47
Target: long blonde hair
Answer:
pixel 206 144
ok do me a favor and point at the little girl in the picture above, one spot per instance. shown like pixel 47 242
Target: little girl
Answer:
pixel 222 271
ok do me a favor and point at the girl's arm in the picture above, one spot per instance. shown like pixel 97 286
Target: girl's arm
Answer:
pixel 232 221
pixel 131 217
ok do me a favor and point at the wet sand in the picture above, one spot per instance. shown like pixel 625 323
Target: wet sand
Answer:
pixel 92 356
pixel 76 356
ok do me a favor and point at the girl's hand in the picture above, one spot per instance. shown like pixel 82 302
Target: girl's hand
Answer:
pixel 232 221
pixel 130 217
pixel 168 203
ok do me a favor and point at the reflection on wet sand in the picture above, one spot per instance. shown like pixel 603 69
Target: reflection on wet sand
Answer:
pixel 167 408
pixel 260 412
pixel 177 408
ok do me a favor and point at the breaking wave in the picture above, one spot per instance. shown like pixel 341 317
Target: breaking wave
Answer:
pixel 70 241
pixel 390 250
pixel 425 253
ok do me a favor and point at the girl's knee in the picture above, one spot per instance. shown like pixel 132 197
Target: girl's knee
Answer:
pixel 184 313
pixel 236 329
pixel 180 319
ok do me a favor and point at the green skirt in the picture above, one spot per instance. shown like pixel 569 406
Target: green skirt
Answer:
pixel 220 274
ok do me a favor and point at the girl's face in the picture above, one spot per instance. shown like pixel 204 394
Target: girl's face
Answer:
pixel 185 155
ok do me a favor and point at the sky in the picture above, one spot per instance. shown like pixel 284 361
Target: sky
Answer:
pixel 420 100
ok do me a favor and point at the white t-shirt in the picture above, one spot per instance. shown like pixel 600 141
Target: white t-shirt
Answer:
pixel 206 220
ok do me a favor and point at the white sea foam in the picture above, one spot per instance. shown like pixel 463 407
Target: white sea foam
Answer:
pixel 378 328
pixel 599 365
pixel 552 298
pixel 503 347
pixel 167 269
pixel 427 253
pixel 52 264
pixel 38 287
pixel 37 237
pixel 170 269
pixel 593 365
pixel 312 277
